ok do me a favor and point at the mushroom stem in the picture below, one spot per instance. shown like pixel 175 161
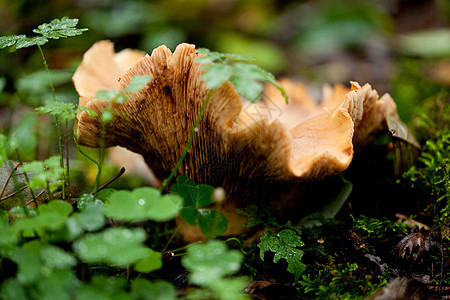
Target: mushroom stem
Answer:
pixel 189 143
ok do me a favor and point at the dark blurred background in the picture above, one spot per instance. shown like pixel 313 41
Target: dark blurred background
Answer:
pixel 383 42
pixel 399 46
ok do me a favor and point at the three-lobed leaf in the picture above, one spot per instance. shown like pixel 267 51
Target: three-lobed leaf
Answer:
pixel 152 262
pixel 212 223
pixel 158 289
pixel 143 204
pixel 118 246
pixel 211 261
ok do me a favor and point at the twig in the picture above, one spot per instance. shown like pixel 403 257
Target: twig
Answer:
pixel 120 173
pixel 15 193
pixel 27 179
pixel 38 195
pixel 7 179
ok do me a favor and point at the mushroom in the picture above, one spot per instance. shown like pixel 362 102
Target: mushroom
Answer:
pixel 236 146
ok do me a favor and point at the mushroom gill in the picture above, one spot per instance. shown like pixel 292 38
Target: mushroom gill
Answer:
pixel 236 146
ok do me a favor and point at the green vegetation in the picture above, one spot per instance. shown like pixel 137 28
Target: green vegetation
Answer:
pixel 65 235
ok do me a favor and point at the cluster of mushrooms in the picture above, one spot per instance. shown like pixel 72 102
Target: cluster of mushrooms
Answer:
pixel 249 149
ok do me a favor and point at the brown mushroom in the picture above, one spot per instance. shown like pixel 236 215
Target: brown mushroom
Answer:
pixel 234 148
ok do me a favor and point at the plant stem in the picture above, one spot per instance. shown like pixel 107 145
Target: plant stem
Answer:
pixel 27 179
pixel 183 248
pixel 189 143
pixel 120 173
pixel 82 152
pixel 239 242
pixel 48 72
pixel 101 158
pixel 50 197
pixel 57 120
pixel 176 230
pixel 66 139
pixel 78 146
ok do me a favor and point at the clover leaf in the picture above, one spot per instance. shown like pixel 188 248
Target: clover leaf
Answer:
pixel 211 261
pixel 158 289
pixel 118 246
pixel 143 204
pixel 212 223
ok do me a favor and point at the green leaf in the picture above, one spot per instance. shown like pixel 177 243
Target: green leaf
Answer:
pixel 89 112
pixel 66 111
pixel 212 222
pixel 208 56
pixel 143 204
pixel 105 194
pixel 118 246
pixel 43 173
pixel 212 56
pixel 159 289
pixel 104 288
pixel 52 217
pixel 23 211
pixel 60 28
pixel 211 261
pixel 166 208
pixel 11 289
pixel 10 40
pixel 230 288
pixel 56 258
pixel 4 219
pixel 284 245
pixel 87 200
pixel 90 219
pixel 20 41
pixel 56 206
pixel 193 195
pixel 150 263
pixel 59 284
pixel 106 95
pixel 25 42
pixel 189 215
pixel 29 265
pixel 137 83
pixel 9 236
pixel 215 75
pixel 247 80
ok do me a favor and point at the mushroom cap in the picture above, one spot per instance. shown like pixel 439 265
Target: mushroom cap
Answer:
pixel 235 145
